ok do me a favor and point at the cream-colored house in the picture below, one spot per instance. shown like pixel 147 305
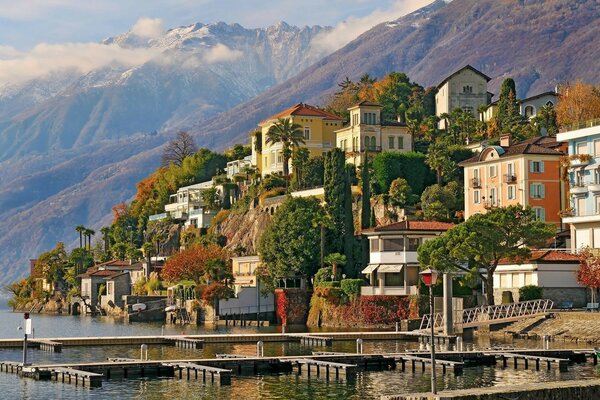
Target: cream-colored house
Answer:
pixel 367 133
pixel 465 89
pixel 317 125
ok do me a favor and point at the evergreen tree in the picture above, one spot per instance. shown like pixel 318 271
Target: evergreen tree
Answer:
pixel 365 214
pixel 348 224
pixel 508 107
pixel 335 189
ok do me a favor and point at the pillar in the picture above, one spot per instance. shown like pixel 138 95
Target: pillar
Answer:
pixel 447 306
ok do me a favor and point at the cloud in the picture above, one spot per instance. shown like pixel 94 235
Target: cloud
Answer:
pixel 148 28
pixel 221 53
pixel 348 30
pixel 82 57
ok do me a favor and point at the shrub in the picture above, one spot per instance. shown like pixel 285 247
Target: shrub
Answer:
pixel 388 166
pixel 328 284
pixel 278 191
pixel 323 275
pixel 351 287
pixel 216 291
pixel 530 292
pixel 220 217
pixel 272 181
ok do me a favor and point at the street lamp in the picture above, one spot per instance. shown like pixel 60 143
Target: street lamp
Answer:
pixel 430 277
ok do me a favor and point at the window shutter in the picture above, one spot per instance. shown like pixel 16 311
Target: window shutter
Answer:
pixel 541 166
pixel 542 190
pixel 542 214
pixel 530 166
pixel 532 190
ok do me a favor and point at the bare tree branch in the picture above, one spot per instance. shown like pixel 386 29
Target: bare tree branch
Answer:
pixel 178 149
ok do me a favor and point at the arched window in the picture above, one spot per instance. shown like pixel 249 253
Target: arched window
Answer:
pixel 373 143
pixel 529 111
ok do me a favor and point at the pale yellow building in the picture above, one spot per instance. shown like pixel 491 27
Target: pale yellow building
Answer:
pixel 367 133
pixel 465 89
pixel 319 135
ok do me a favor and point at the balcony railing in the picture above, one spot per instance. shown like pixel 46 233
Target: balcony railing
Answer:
pixel 475 183
pixel 488 204
pixel 362 149
pixel 581 125
pixel 510 178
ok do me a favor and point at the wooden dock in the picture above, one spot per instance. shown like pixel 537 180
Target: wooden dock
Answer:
pixel 313 340
pixel 45 345
pixel 328 365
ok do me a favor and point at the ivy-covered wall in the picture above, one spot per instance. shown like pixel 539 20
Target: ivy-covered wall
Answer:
pixel 291 306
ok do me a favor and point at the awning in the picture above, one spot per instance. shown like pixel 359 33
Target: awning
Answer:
pixel 390 268
pixel 370 268
pixel 383 268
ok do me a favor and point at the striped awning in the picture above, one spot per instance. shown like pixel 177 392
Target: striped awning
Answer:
pixel 383 268
pixel 370 268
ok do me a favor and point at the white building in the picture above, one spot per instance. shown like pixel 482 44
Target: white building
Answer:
pixel 368 132
pixel 554 271
pixel 465 89
pixel 393 267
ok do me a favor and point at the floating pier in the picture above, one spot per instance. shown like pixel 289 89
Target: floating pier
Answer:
pixel 46 345
pixel 455 366
pixel 330 369
pixel 561 363
pixel 311 340
pixel 187 342
pixel 218 376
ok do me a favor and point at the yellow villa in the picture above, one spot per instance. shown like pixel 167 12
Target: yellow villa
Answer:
pixel 319 135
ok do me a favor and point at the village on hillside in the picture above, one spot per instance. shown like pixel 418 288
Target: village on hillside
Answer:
pixel 327 215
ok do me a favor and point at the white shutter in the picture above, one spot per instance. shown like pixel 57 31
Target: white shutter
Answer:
pixel 542 190
pixel 541 166
pixel 530 166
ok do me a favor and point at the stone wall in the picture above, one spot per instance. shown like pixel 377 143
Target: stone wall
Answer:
pixel 563 390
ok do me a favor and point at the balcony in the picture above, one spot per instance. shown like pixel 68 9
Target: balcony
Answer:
pixel 580 161
pixel 581 125
pixel 158 217
pixel 594 187
pixel 489 204
pixel 579 188
pixel 181 215
pixel 475 183
pixel 510 178
pixel 357 150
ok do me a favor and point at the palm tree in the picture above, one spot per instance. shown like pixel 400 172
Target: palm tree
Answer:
pixel 438 159
pixel 105 232
pixel 289 135
pixel 335 259
pixel 80 229
pixel 89 233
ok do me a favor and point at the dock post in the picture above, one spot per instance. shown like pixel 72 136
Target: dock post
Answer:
pixel 359 346
pixel 260 351
pixel 144 352
pixel 459 343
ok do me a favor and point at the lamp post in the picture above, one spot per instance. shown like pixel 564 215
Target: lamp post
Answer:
pixel 430 277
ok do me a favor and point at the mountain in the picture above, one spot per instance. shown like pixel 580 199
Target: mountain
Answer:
pixel 538 42
pixel 193 73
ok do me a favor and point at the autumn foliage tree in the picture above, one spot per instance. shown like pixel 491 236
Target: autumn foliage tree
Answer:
pixel 579 102
pixel 588 274
pixel 199 264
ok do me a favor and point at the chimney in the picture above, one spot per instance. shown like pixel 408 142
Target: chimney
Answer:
pixel 506 140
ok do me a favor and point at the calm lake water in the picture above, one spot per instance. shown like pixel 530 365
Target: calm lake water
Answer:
pixel 369 385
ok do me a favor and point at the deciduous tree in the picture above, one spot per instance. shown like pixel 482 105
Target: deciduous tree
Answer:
pixel 579 102
pixel 198 263
pixel 478 245
pixel 180 147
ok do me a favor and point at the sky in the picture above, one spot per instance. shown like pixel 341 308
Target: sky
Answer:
pixel 36 35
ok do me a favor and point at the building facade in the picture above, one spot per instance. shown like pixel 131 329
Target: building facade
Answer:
pixel 367 133
pixel 554 271
pixel 317 125
pixel 465 89
pixel 393 268
pixel 525 173
pixel 529 107
pixel 583 210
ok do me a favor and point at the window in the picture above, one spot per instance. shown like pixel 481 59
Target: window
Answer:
pixel 529 111
pixel 537 191
pixel 511 192
pixel 536 166
pixel 413 244
pixel 581 206
pixel 279 157
pixel 476 173
pixel 596 148
pixel 369 118
pixel 581 148
pixel 492 171
pixel 373 144
pixel 468 89
pixel 493 196
pixel 266 160
pixel 307 133
pixel 396 244
pixel 374 245
pixel 505 280
pixel 515 280
pixel 510 169
pixel 391 142
pixel 400 142
pixel 476 197
pixel 597 201
pixel 540 213
pixel 273 158
pixel 597 176
pixel 109 288
pixel 528 278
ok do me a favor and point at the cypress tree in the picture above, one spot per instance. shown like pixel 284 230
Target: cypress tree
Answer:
pixel 365 214
pixel 373 221
pixel 349 224
pixel 335 182
pixel 508 106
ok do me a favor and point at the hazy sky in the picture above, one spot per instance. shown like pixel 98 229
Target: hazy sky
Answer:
pixel 38 37
pixel 26 23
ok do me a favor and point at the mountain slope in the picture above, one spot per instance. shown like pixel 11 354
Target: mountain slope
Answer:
pixel 533 40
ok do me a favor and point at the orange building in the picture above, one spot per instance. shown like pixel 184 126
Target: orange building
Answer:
pixel 525 173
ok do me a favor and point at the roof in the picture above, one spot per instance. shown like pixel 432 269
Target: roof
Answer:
pixel 119 265
pixel 544 256
pixel 366 104
pixel 302 109
pixel 543 145
pixel 103 273
pixel 537 96
pixel 118 274
pixel 411 226
pixel 487 78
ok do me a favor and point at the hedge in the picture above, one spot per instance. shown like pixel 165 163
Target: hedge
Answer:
pixel 351 287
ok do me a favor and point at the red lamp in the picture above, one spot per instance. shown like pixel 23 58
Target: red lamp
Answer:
pixel 429 276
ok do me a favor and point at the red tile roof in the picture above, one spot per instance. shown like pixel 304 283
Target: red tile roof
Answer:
pixel 302 109
pixel 115 263
pixel 544 256
pixel 412 226
pixel 539 145
pixel 100 273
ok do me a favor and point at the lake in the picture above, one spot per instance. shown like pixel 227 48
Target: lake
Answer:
pixel 368 385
